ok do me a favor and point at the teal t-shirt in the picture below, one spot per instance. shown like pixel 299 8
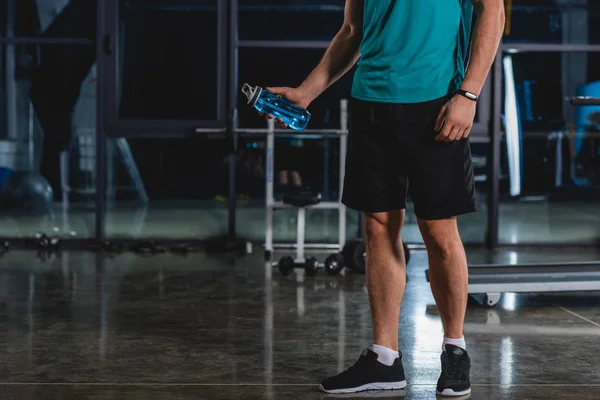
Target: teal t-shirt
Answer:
pixel 412 50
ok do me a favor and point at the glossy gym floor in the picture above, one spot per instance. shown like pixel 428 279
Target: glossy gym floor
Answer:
pixel 87 326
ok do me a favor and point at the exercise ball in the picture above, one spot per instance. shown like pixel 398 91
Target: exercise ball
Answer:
pixel 26 191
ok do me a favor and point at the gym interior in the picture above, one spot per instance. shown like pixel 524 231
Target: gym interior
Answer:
pixel 148 238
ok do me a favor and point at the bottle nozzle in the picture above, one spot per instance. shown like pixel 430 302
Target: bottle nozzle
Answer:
pixel 247 90
pixel 251 93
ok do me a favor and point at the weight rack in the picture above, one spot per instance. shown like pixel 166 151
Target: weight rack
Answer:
pixel 272 204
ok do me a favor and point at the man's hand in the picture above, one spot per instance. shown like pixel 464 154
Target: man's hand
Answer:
pixel 294 95
pixel 455 119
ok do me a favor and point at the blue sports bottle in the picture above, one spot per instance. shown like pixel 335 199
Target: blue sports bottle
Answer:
pixel 269 103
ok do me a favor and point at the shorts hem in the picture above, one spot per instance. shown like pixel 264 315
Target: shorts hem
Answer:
pixel 445 215
pixel 365 209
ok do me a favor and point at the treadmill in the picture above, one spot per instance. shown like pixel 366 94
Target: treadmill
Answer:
pixel 487 282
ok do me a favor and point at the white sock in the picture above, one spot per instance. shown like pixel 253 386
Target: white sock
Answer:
pixel 386 355
pixel 455 342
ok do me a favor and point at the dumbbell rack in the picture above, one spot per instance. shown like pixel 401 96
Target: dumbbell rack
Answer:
pixel 272 204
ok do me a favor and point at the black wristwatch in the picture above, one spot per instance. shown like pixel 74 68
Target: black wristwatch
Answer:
pixel 468 95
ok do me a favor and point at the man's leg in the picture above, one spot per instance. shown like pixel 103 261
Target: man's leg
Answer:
pixel 448 273
pixel 375 184
pixel 442 187
pixel 386 274
pixel 449 280
pixel 380 365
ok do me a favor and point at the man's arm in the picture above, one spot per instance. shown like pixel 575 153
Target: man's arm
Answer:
pixel 341 55
pixel 456 117
pixel 484 46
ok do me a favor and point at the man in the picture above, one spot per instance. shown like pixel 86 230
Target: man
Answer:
pixel 413 105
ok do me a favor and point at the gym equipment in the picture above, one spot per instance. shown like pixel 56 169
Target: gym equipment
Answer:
pixel 584 107
pixel 354 255
pixel 287 264
pixel 576 150
pixel 148 247
pixel 26 191
pixel 4 247
pixel 301 201
pixel 490 281
pixel 183 249
pixel 107 247
pixel 304 199
pixel 334 264
pixel 44 243
pixel 311 266
pixel 144 248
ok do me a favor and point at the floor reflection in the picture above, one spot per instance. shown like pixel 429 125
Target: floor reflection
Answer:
pixel 520 222
pixel 211 327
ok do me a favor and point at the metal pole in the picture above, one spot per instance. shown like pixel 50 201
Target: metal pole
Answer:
pixel 268 330
pixel 300 234
pixel 233 43
pixel 11 84
pixel 269 186
pixel 342 172
pixel 231 201
pixel 30 315
pixel 574 66
pixel 105 288
pixel 101 57
pixel 558 160
pixel 494 165
pixel 31 139
pixel 232 115
pixel 341 330
pixel 8 40
pixel 326 168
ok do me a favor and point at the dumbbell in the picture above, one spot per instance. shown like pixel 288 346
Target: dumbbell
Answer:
pixel 287 264
pixel 45 243
pixel 334 264
pixel 4 247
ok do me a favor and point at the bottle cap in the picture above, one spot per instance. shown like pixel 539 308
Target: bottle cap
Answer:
pixel 251 93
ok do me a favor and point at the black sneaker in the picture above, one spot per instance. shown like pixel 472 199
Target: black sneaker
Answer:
pixel 456 367
pixel 367 374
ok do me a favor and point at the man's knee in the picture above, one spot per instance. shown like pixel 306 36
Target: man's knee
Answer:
pixel 440 236
pixel 383 226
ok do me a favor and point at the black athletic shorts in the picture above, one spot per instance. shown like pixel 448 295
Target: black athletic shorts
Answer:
pixel 392 152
